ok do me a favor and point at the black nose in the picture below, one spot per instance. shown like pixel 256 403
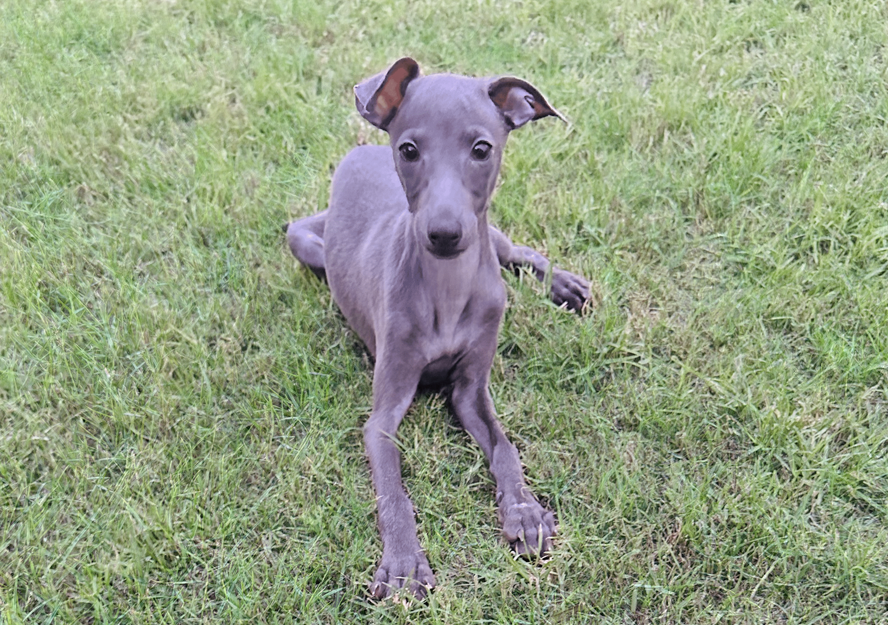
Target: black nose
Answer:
pixel 445 237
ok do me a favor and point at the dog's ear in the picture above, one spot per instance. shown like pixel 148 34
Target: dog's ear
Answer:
pixel 379 97
pixel 519 101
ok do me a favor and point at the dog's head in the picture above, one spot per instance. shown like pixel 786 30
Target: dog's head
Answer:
pixel 447 135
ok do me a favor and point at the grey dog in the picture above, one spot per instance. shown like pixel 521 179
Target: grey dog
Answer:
pixel 415 268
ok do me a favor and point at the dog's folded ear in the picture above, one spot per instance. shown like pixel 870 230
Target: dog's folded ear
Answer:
pixel 379 97
pixel 519 101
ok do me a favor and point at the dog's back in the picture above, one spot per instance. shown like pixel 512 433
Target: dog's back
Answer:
pixel 367 215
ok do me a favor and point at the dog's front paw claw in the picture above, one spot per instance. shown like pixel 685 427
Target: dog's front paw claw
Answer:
pixel 396 572
pixel 528 527
pixel 569 289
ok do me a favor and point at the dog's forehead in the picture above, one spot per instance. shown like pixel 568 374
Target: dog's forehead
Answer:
pixel 447 100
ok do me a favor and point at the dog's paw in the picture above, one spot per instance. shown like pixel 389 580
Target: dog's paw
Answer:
pixel 527 526
pixel 569 289
pixel 409 570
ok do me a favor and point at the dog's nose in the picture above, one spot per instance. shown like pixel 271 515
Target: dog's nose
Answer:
pixel 445 237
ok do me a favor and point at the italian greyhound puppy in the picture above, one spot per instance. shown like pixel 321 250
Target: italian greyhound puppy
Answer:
pixel 415 268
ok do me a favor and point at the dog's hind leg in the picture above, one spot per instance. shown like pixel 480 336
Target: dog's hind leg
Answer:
pixel 306 240
pixel 568 289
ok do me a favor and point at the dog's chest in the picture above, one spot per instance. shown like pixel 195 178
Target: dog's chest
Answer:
pixel 457 334
pixel 446 336
pixel 445 353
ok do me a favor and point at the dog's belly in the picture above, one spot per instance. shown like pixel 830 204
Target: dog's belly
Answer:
pixel 438 372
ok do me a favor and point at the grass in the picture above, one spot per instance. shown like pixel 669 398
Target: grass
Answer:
pixel 180 403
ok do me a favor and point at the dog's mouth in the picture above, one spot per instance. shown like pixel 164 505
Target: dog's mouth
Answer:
pixel 446 253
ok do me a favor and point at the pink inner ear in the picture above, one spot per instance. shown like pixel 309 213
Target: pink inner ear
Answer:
pixel 390 94
pixel 519 101
pixel 499 97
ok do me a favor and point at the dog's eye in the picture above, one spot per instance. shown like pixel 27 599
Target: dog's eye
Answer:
pixel 409 152
pixel 481 150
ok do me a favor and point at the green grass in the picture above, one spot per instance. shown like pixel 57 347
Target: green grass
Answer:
pixel 180 403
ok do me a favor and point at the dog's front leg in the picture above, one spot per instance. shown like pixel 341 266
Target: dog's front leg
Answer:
pixel 527 525
pixel 403 561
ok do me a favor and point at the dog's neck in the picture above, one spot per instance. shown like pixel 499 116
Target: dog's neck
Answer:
pixel 450 284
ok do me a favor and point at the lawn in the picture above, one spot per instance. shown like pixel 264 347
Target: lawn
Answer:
pixel 181 403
